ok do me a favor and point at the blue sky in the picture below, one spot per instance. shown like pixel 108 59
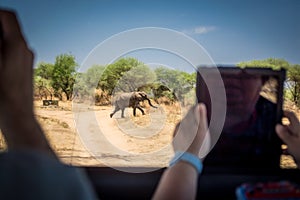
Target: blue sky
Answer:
pixel 230 31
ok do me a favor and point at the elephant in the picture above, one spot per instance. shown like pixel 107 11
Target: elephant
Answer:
pixel 131 99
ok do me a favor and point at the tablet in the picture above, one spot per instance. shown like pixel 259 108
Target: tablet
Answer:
pixel 253 99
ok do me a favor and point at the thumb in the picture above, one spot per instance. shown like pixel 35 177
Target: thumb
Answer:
pixel 203 132
pixel 203 116
pixel 283 133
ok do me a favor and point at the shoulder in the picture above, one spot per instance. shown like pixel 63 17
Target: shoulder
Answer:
pixel 29 169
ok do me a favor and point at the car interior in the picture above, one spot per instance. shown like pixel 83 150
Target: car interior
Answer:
pixel 240 152
pixel 221 174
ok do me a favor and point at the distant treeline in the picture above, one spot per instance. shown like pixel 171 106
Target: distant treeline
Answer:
pixel 61 80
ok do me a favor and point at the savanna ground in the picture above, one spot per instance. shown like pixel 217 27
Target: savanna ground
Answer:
pixel 59 125
pixel 149 150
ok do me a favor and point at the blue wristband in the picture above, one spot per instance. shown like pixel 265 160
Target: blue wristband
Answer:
pixel 189 158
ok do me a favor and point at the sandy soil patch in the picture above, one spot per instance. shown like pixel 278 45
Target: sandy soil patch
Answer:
pixel 136 141
pixel 131 141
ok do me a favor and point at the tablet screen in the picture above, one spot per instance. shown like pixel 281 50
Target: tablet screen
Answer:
pixel 253 107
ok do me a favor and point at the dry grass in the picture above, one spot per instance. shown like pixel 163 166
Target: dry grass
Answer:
pixel 173 112
pixel 68 146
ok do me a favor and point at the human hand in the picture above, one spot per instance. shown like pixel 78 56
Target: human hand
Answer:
pixel 192 134
pixel 16 62
pixel 17 120
pixel 290 134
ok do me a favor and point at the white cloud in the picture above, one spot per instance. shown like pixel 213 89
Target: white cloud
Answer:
pixel 204 29
pixel 200 30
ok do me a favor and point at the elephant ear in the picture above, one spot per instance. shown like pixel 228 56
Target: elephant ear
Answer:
pixel 135 96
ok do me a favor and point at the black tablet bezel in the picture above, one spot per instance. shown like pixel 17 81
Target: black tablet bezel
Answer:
pixel 279 75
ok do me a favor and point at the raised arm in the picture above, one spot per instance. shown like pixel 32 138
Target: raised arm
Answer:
pixel 30 169
pixel 17 120
pixel 180 180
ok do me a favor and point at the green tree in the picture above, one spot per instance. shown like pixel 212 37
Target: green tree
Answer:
pixel 88 81
pixel 63 76
pixel 43 88
pixel 137 79
pixel 44 70
pixel 93 75
pixel 273 63
pixel 42 80
pixel 293 84
pixel 178 82
pixel 115 71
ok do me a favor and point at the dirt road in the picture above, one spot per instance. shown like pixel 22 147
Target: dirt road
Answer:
pixel 101 140
pixel 91 138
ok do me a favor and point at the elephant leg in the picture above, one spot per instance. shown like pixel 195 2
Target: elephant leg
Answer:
pixel 123 109
pixel 140 110
pixel 111 114
pixel 134 111
pixel 116 110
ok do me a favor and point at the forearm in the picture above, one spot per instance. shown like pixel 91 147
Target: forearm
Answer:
pixel 178 182
pixel 24 132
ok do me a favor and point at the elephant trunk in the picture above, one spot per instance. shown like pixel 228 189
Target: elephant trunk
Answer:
pixel 151 103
